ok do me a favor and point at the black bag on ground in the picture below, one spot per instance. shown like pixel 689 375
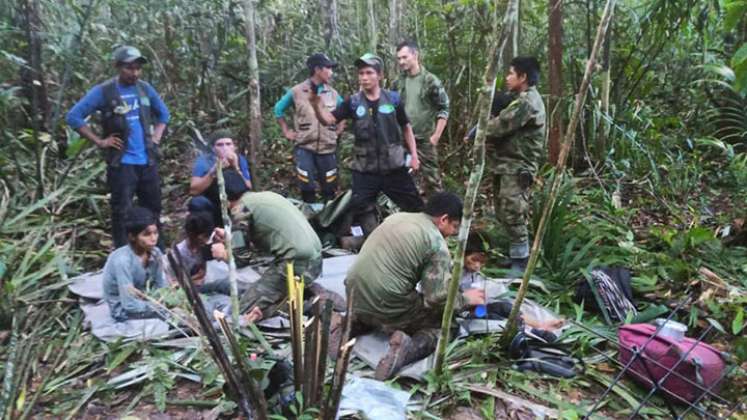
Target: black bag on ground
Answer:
pixel 608 291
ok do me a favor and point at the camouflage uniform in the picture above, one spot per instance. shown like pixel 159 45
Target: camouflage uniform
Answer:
pixel 516 143
pixel 407 249
pixel 276 227
pixel 425 101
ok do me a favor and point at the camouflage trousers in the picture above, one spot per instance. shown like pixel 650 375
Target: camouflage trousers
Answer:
pixel 511 195
pixel 417 320
pixel 429 176
pixel 271 289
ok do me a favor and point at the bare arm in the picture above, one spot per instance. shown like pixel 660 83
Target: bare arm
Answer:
pixel 287 132
pixel 439 131
pixel 340 127
pixel 322 114
pixel 158 130
pixel 111 141
pixel 411 146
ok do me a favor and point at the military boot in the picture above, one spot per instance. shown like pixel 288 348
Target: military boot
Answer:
pixel 403 350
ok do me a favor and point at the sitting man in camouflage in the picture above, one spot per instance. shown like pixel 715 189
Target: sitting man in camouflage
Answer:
pixel 516 144
pixel 400 281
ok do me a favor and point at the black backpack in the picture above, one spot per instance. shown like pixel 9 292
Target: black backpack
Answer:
pixel 607 291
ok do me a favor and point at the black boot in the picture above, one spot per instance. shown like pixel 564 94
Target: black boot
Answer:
pixel 403 350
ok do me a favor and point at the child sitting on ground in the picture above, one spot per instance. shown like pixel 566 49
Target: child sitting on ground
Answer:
pixel 137 265
pixel 195 251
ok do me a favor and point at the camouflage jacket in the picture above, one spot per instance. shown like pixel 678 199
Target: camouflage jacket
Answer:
pixel 425 101
pixel 516 137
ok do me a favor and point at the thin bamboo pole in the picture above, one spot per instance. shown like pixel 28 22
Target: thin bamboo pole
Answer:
pixel 511 324
pixel 229 251
pixel 478 152
pixel 255 392
pixel 218 352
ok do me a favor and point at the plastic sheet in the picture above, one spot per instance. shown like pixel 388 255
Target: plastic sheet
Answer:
pixel 373 399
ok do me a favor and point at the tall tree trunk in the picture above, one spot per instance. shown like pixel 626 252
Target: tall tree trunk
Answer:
pixel 605 97
pixel 330 22
pixel 34 85
pixel 395 17
pixel 478 153
pixel 255 113
pixel 33 75
pixel 555 70
pixel 512 322
pixel 373 33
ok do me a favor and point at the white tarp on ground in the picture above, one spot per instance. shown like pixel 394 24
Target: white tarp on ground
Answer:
pixel 90 286
pixel 369 348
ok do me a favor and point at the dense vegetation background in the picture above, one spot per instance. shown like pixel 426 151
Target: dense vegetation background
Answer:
pixel 659 164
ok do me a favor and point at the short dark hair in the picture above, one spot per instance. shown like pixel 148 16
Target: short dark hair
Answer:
pixel 475 243
pixel 235 185
pixel 444 203
pixel 219 134
pixel 529 66
pixel 198 223
pixel 137 219
pixel 412 45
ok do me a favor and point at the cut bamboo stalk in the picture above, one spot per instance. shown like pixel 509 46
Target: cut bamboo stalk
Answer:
pixel 255 392
pixel 229 250
pixel 321 353
pixel 218 352
pixel 309 364
pixel 338 381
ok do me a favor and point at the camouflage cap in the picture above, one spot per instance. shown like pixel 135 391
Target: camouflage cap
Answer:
pixel 370 60
pixel 128 54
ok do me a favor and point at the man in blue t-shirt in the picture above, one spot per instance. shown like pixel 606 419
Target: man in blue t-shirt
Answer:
pixel 204 183
pixel 133 120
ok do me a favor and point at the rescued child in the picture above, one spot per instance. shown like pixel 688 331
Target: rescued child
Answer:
pixel 195 251
pixel 137 265
pixel 475 256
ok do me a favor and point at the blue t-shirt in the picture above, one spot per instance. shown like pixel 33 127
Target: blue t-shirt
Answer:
pixel 135 154
pixel 205 162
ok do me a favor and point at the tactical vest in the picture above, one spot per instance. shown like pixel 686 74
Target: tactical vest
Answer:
pixel 116 123
pixel 312 135
pixel 378 140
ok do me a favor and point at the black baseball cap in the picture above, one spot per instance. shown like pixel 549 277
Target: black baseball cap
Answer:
pixel 319 60
pixel 370 60
pixel 128 54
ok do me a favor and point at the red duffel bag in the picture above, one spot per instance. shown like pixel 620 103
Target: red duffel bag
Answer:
pixel 690 367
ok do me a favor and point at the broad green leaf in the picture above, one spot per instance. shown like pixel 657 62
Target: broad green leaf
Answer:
pixel 738 323
pixel 740 56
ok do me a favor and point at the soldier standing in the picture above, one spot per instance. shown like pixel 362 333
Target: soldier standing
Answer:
pixel 427 106
pixel 516 141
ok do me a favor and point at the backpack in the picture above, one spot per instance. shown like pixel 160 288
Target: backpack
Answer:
pixel 687 367
pixel 608 291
